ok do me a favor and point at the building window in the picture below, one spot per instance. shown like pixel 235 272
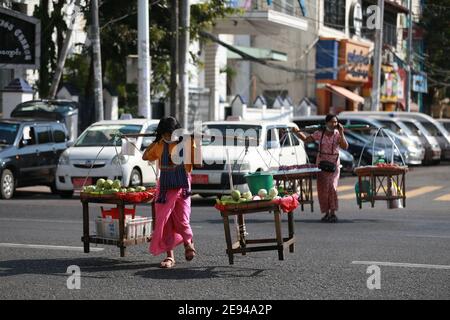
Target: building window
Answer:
pixel 334 15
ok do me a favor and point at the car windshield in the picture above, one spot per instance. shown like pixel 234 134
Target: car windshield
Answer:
pixel 8 133
pixel 45 107
pixel 391 125
pixel 411 126
pixel 231 132
pixel 431 128
pixel 382 141
pixel 447 126
pixel 103 135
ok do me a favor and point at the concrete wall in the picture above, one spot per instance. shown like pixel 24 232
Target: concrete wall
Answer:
pixel 293 42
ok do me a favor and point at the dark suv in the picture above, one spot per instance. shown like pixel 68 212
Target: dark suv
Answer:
pixel 29 153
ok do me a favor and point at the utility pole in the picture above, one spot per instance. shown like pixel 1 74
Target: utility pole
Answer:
pixel 409 59
pixel 174 59
pixel 144 66
pixel 98 87
pixel 64 52
pixel 185 14
pixel 378 50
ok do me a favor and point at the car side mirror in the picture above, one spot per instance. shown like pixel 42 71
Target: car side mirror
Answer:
pixel 69 144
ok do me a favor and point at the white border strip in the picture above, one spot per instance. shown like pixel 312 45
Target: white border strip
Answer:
pixel 406 265
pixel 46 247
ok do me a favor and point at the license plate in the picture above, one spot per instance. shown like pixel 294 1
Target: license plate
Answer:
pixel 200 179
pixel 78 182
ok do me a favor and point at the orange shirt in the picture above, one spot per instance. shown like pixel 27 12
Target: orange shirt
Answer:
pixel 155 150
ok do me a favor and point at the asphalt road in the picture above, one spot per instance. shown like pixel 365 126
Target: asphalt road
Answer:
pixel 411 247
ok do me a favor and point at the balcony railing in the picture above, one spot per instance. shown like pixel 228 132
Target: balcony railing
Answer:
pixel 290 7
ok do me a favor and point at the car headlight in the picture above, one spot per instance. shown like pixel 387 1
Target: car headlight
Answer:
pixel 119 159
pixel 244 166
pixel 64 160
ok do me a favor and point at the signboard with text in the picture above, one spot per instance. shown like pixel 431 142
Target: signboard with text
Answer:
pixel 355 57
pixel 19 40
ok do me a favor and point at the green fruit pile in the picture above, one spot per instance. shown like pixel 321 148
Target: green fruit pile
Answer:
pixel 236 197
pixel 110 187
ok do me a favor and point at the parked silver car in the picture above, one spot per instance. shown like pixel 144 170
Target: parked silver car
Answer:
pixel 432 149
pixel 434 127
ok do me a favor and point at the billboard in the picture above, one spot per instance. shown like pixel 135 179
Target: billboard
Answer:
pixel 19 40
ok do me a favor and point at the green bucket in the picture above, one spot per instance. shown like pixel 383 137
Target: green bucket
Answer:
pixel 259 180
pixel 365 187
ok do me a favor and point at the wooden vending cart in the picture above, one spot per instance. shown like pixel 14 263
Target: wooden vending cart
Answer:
pixel 298 181
pixel 120 204
pixel 244 245
pixel 381 183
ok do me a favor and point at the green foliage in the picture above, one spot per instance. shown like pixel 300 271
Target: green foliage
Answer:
pixel 435 21
pixel 118 35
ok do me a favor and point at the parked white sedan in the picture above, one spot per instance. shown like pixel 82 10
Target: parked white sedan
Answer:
pixel 273 144
pixel 97 154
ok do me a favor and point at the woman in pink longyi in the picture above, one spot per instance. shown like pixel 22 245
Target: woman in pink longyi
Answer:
pixel 173 202
pixel 330 139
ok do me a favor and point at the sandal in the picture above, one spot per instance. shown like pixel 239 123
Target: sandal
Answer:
pixel 189 251
pixel 168 263
pixel 333 219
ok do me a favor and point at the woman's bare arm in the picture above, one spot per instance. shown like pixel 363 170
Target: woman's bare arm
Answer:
pixel 302 136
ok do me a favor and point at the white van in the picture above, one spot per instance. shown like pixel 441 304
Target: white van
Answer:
pixel 274 145
pixel 95 155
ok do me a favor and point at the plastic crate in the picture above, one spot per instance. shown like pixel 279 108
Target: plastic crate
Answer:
pixel 138 227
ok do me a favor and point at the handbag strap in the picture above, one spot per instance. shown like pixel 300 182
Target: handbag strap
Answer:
pixel 332 145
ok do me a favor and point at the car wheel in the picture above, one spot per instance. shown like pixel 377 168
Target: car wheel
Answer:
pixel 135 178
pixel 65 194
pixel 53 188
pixel 7 184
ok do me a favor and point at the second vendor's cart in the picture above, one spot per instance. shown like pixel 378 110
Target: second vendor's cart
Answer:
pixel 298 181
pixel 381 183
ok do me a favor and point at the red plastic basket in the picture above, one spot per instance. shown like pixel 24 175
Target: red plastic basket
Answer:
pixel 114 212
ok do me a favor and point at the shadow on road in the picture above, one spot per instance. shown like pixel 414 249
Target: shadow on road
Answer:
pixel 88 266
pixel 59 266
pixel 201 273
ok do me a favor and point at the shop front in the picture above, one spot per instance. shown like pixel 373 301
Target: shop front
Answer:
pixel 343 69
pixel 392 90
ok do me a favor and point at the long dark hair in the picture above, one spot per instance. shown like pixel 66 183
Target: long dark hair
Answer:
pixel 328 118
pixel 166 125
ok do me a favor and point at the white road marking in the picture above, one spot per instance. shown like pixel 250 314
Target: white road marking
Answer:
pixel 405 265
pixel 445 197
pixel 421 191
pixel 345 188
pixel 427 236
pixel 46 247
pixel 40 220
pixel 349 196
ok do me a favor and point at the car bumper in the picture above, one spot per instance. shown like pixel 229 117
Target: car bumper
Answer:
pixel 218 182
pixel 445 154
pixel 66 173
pixel 432 154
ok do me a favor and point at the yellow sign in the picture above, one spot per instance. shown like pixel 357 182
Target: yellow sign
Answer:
pixel 355 57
